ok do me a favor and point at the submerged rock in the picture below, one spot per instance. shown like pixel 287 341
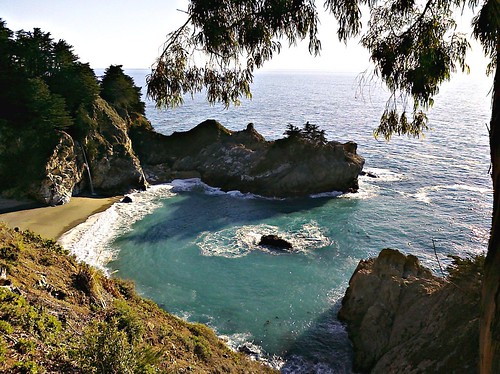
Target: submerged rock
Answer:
pixel 368 174
pixel 403 319
pixel 245 161
pixel 275 241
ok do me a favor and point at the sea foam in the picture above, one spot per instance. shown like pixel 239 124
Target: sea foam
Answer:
pixel 422 194
pixel 241 240
pixel 90 241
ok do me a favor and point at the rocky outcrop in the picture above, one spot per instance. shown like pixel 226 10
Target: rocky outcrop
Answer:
pixel 114 167
pixel 104 162
pixel 275 242
pixel 403 319
pixel 106 153
pixel 62 173
pixel 245 161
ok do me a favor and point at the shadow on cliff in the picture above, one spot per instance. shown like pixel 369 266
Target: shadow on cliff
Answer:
pixel 191 213
pixel 323 348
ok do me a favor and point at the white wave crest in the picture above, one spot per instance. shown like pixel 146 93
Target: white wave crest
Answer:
pixel 195 184
pixel 366 191
pixel 243 342
pixel 422 194
pixel 90 241
pixel 239 241
pixel 382 175
pixel 326 194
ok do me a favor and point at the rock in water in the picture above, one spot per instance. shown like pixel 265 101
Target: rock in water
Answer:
pixel 245 161
pixel 403 319
pixel 368 174
pixel 276 242
pixel 126 200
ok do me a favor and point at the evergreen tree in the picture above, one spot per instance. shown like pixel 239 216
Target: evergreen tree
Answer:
pixel 119 90
pixel 45 89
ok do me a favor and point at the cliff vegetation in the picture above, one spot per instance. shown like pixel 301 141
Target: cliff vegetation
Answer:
pixel 57 315
pixel 58 121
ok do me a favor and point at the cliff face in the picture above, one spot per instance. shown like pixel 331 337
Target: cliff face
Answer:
pixel 114 167
pixel 62 172
pixel 403 319
pixel 104 162
pixel 245 161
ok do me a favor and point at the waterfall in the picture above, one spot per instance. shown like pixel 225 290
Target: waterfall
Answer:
pixel 88 170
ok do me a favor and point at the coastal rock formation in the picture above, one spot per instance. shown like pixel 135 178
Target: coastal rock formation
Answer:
pixel 107 153
pixel 276 242
pixel 114 167
pixel 245 161
pixel 403 319
pixel 62 173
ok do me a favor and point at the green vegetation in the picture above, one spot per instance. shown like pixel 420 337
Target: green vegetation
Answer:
pixel 309 133
pixel 119 90
pixel 61 316
pixel 48 90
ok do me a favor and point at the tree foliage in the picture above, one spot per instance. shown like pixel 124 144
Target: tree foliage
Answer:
pixel 309 133
pixel 234 38
pixel 119 90
pixel 46 82
pixel 45 90
pixel 414 45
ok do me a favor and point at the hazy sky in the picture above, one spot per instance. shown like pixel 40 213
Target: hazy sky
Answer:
pixel 131 33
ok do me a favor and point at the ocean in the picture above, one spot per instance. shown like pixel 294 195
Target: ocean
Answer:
pixel 193 248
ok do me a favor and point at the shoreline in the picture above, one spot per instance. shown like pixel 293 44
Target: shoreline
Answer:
pixel 52 222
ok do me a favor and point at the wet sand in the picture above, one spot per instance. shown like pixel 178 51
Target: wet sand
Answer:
pixel 52 222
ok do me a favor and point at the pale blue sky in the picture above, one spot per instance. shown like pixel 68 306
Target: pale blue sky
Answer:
pixel 131 33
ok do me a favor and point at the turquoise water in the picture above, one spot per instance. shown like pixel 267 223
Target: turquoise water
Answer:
pixel 192 248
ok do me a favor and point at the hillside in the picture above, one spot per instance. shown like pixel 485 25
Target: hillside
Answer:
pixel 60 316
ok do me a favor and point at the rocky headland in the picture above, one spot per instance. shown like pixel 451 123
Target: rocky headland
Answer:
pixel 245 161
pixel 120 154
pixel 103 163
pixel 403 319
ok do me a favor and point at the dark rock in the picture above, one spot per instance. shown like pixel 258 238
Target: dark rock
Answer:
pixel 126 199
pixel 403 319
pixel 249 349
pixel 245 161
pixel 275 241
pixel 368 174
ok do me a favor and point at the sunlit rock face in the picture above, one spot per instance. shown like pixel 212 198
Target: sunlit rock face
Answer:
pixel 403 319
pixel 114 167
pixel 103 163
pixel 62 173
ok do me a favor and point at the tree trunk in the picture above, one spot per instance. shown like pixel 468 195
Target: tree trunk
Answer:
pixel 490 304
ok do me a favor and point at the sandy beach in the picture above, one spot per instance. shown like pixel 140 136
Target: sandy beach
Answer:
pixel 52 222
